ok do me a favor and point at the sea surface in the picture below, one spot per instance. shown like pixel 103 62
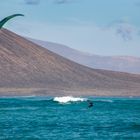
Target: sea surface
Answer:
pixel 69 118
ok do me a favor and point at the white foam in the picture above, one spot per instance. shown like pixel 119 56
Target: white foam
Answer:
pixel 67 99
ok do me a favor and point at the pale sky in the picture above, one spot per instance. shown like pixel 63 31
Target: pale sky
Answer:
pixel 104 27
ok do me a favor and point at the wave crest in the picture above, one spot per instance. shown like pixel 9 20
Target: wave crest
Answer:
pixel 67 99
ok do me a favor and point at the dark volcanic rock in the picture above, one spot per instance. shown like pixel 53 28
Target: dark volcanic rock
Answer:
pixel 24 64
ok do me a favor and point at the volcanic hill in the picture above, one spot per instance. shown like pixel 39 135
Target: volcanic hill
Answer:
pixel 27 68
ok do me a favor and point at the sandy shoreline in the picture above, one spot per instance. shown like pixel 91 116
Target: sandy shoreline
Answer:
pixel 57 92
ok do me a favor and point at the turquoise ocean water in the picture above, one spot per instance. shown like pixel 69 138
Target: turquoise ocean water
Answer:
pixel 48 118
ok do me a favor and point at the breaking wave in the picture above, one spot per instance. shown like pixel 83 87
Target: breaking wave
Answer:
pixel 67 99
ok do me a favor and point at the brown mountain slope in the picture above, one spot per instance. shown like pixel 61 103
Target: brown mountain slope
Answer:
pixel 25 65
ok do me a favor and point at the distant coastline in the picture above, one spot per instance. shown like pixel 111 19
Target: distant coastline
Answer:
pixel 28 69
